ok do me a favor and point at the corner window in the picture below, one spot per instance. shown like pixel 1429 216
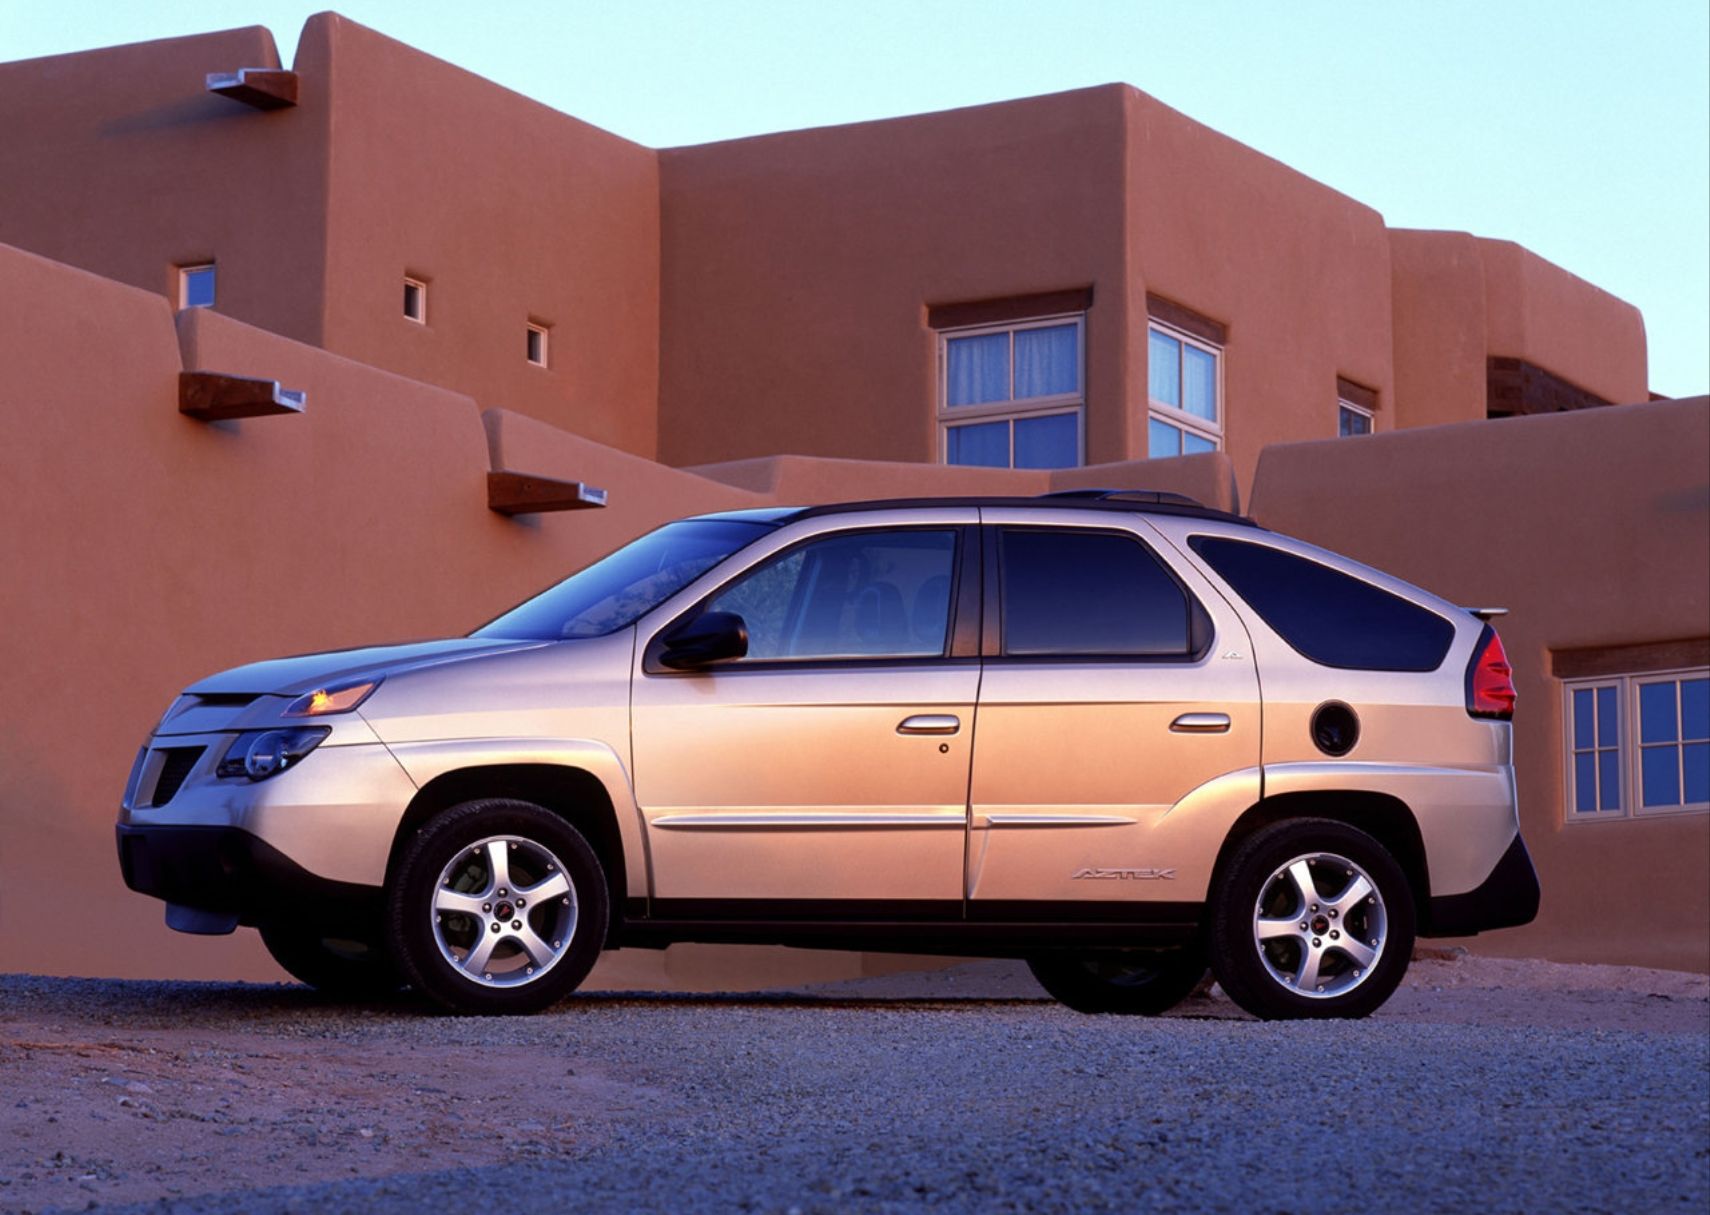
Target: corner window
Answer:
pixel 196 286
pixel 1010 396
pixel 415 300
pixel 537 335
pixel 1637 744
pixel 1184 390
pixel 1090 594
pixel 878 594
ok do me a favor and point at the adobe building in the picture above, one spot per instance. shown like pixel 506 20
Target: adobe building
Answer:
pixel 1074 290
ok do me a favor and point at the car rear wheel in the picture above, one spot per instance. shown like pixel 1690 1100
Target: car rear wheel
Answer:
pixel 339 966
pixel 497 906
pixel 1141 982
pixel 1311 918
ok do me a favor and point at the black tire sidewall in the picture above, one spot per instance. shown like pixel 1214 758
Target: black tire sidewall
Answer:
pixel 1065 976
pixel 410 906
pixel 1234 956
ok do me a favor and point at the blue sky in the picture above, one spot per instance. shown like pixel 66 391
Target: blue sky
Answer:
pixel 1581 130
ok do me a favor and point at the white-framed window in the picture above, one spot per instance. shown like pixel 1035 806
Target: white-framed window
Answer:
pixel 415 299
pixel 1352 419
pixel 537 343
pixel 1637 744
pixel 196 286
pixel 1184 391
pixel 1011 395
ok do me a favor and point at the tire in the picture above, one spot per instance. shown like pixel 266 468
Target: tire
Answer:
pixel 461 933
pixel 1135 982
pixel 358 969
pixel 1295 915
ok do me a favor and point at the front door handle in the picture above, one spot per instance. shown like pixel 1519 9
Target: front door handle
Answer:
pixel 930 723
pixel 1200 723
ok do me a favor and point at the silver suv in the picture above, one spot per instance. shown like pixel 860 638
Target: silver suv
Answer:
pixel 1118 734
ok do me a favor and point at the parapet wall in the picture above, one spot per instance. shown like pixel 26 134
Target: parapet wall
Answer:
pixel 142 549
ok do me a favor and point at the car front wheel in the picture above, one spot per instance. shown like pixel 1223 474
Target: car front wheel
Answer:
pixel 497 906
pixel 1140 982
pixel 1311 918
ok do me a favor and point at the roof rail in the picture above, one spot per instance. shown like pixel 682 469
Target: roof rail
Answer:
pixel 1156 497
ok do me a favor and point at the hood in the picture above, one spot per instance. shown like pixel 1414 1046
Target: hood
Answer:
pixel 306 672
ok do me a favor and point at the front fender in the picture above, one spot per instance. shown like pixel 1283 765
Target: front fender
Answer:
pixel 427 761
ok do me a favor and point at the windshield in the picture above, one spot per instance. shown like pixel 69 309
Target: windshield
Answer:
pixel 617 590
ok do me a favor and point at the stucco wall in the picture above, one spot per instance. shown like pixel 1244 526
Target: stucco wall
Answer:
pixel 1297 272
pixel 512 212
pixel 143 549
pixel 1594 529
pixel 121 162
pixel 798 269
pixel 1459 299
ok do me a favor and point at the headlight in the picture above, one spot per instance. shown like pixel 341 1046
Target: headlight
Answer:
pixel 260 754
pixel 334 698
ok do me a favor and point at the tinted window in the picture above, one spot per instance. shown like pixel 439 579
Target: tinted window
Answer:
pixel 616 590
pixel 853 595
pixel 1068 592
pixel 1329 617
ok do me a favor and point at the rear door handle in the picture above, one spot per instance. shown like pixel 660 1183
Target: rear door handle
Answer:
pixel 1200 723
pixel 930 723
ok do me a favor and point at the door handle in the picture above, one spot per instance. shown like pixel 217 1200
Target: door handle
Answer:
pixel 930 723
pixel 1200 723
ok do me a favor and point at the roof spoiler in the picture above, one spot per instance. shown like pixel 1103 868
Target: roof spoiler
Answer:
pixel 1486 613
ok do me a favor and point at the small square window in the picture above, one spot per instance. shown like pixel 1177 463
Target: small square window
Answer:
pixel 196 286
pixel 1637 744
pixel 537 335
pixel 415 300
pixel 1352 420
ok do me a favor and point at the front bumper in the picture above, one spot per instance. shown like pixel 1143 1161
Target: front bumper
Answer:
pixel 232 875
pixel 1506 899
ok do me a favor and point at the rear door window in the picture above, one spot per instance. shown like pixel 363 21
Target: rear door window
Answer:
pixel 1330 617
pixel 1087 593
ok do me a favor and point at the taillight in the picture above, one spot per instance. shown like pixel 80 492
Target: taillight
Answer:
pixel 1490 680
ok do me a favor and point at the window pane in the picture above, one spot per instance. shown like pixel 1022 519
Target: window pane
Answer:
pixel 1585 782
pixel 199 287
pixel 1199 383
pixel 1656 712
pixel 862 595
pixel 986 445
pixel 1070 592
pixel 1695 759
pixel 1163 369
pixel 1609 778
pixel 1695 708
pixel 1162 440
pixel 1331 617
pixel 1608 730
pixel 1047 361
pixel 1353 422
pixel 1193 445
pixel 1583 736
pixel 1053 442
pixel 978 369
pixel 1659 767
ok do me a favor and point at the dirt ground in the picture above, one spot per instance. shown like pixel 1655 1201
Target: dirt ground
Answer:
pixel 126 1092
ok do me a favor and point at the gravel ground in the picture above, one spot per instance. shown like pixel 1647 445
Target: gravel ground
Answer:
pixel 1504 1086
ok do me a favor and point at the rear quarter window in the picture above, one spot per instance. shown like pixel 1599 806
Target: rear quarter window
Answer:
pixel 1330 617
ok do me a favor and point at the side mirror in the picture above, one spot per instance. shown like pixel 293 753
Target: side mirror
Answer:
pixel 708 638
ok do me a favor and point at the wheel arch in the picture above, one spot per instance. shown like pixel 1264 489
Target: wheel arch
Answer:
pixel 574 794
pixel 1384 817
